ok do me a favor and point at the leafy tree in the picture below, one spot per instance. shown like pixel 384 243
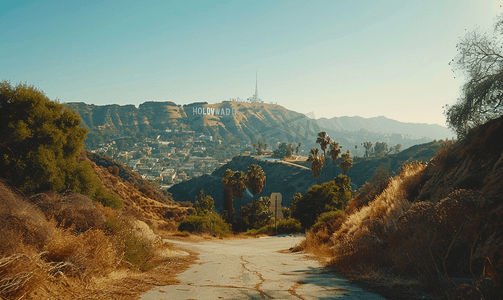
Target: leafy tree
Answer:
pixel 284 150
pixel 324 140
pixel 334 151
pixel 255 181
pixel 255 215
pixel 40 142
pixel 204 205
pixel 328 196
pixel 346 162
pixel 381 149
pixel 480 59
pixel 395 148
pixel 316 161
pixel 259 147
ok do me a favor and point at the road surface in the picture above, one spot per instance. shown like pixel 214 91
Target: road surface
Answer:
pixel 256 269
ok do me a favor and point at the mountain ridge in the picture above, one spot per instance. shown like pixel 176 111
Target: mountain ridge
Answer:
pixel 249 122
pixel 385 125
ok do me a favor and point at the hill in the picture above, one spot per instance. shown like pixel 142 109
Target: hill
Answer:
pixel 386 126
pixel 289 180
pixel 244 122
pixel 142 200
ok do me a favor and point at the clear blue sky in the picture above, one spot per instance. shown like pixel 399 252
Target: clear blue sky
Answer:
pixel 331 58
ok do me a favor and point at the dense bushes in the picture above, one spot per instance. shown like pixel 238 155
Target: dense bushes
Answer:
pixel 40 142
pixel 322 198
pixel 281 227
pixel 204 218
pixel 213 224
pixel 254 215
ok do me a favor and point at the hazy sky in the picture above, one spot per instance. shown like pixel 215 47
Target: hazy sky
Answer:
pixel 332 58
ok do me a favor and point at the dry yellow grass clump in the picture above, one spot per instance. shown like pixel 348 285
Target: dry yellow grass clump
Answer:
pixel 36 253
pixel 64 246
pixel 365 232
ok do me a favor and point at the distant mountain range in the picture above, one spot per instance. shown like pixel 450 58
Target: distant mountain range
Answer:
pixel 249 122
pixel 384 125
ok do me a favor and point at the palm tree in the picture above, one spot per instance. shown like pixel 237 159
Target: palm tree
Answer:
pixel 238 184
pixel 298 147
pixel 334 151
pixel 346 162
pixel 316 161
pixel 228 205
pixel 255 181
pixel 324 140
pixel 234 188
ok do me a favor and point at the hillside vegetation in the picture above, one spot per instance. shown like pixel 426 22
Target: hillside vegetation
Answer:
pixel 289 180
pixel 69 227
pixel 436 225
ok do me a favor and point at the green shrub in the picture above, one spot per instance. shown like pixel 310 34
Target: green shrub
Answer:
pixel 213 224
pixel 282 227
pixel 327 216
pixel 321 198
pixel 289 226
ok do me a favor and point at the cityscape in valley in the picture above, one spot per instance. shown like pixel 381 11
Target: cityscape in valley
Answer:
pixel 168 143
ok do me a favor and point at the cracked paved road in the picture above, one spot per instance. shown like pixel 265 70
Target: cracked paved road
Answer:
pixel 254 269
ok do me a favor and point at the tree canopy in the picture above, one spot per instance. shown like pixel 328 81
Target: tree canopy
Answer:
pixel 284 150
pixel 39 143
pixel 329 196
pixel 480 59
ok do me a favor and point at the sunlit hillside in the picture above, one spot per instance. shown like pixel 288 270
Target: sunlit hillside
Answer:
pixel 436 225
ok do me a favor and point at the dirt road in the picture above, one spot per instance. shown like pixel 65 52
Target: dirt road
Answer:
pixel 255 269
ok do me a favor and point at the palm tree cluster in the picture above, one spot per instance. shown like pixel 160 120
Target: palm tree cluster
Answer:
pixel 334 149
pixel 236 182
pixel 255 181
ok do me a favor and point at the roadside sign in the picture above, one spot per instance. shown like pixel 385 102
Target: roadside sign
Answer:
pixel 275 207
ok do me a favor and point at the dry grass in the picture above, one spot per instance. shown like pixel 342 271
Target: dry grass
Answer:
pixel 43 256
pixel 364 234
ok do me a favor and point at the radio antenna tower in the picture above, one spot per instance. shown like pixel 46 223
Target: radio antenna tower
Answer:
pixel 255 98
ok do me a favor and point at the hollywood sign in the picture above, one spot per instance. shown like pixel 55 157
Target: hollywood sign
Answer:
pixel 213 111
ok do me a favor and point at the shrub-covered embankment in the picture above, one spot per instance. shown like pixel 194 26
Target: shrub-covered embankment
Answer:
pixel 436 226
